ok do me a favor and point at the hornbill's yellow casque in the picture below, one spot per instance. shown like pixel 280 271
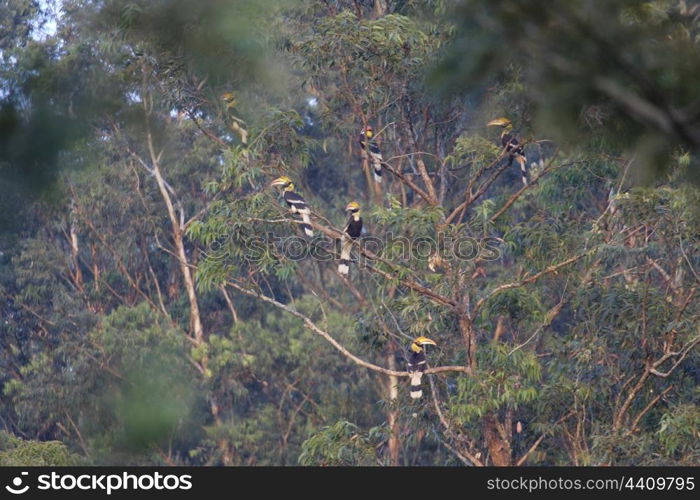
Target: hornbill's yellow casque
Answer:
pixel 230 99
pixel 511 142
pixel 416 364
pixel 352 231
pixel 370 147
pixel 297 204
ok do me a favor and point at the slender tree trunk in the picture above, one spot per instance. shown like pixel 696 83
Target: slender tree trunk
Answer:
pixel 380 8
pixel 95 268
pixel 497 441
pixel 500 328
pixel 177 226
pixel 466 328
pixel 393 414
pixel 225 449
pixel 74 250
pixel 413 136
pixel 375 190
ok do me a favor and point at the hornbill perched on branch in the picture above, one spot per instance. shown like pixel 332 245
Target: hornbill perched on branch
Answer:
pixel 370 147
pixel 416 364
pixel 511 142
pixel 297 204
pixel 237 125
pixel 352 231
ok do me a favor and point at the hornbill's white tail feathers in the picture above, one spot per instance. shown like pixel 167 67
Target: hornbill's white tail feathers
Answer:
pixel 345 246
pixel 377 168
pixel 297 204
pixel 375 154
pixel 352 231
pixel 523 168
pixel 416 390
pixel 417 364
pixel 306 226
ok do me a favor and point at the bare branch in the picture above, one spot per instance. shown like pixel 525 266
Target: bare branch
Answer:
pixel 327 336
pixel 408 182
pixel 551 314
pixel 539 440
pixel 469 198
pixel 681 356
pixel 645 410
pixel 473 459
pixel 520 192
pixel 551 269
pixel 210 135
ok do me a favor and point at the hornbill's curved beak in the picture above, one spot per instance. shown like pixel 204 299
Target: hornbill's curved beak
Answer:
pixel 499 122
pixel 425 341
pixel 281 181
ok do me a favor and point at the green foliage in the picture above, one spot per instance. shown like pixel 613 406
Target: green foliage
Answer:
pixel 16 452
pixel 342 445
pixel 679 431
pixel 156 397
pixel 100 349
pixel 506 379
pixel 516 304
pixel 603 65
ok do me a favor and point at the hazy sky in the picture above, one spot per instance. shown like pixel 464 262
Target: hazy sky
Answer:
pixel 54 11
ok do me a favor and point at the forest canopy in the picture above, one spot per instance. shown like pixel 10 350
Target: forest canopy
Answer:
pixel 334 232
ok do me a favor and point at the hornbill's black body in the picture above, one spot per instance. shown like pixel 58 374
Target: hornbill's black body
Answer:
pixel 297 204
pixel 511 141
pixel 352 231
pixel 370 147
pixel 417 364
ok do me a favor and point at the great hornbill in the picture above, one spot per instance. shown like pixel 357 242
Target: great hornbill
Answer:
pixel 511 142
pixel 237 125
pixel 369 146
pixel 416 364
pixel 297 204
pixel 352 231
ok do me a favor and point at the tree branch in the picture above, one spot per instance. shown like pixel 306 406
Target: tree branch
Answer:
pixel 473 459
pixel 646 409
pixel 551 269
pixel 327 336
pixel 539 440
pixel 520 192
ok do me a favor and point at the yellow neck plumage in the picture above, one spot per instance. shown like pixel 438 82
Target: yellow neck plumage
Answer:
pixel 356 216
pixel 416 348
pixel 289 187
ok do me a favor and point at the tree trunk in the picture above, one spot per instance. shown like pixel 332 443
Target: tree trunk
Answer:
pixel 467 330
pixel 380 8
pixel 393 414
pixel 75 250
pixel 374 188
pixel 500 328
pixel 177 227
pixel 497 441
